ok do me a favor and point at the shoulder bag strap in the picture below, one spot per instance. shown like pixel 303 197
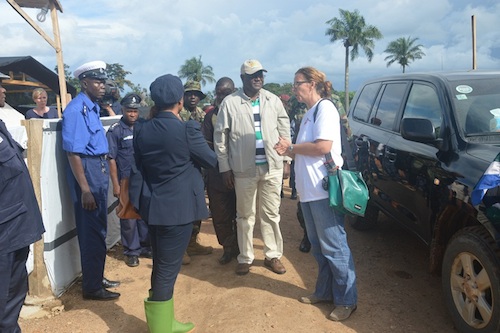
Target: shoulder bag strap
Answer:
pixel 329 163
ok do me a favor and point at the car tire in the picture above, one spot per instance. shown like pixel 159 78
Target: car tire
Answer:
pixel 367 222
pixel 471 281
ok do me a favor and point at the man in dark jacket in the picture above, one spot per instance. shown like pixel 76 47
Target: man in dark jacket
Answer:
pixel 20 225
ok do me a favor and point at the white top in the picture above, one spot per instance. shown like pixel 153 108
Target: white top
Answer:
pixel 310 170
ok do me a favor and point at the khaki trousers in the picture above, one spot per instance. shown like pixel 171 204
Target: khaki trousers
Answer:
pixel 266 186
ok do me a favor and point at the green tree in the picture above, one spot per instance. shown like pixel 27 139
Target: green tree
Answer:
pixel 403 51
pixel 69 77
pixel 278 89
pixel 116 73
pixel 193 69
pixel 354 33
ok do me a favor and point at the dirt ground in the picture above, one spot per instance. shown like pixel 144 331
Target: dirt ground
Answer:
pixel 396 293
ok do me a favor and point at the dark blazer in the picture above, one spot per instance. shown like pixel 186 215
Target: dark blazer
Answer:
pixel 20 219
pixel 171 153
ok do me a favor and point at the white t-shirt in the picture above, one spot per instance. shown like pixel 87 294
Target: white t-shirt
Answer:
pixel 310 170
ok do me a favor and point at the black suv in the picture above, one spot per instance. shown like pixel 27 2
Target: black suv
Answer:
pixel 423 142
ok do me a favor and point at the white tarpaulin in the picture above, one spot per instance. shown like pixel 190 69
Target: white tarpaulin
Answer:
pixel 61 251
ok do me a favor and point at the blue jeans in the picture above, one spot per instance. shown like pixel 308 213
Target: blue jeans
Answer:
pixel 336 276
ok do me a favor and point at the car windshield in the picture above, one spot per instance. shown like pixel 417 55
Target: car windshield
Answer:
pixel 477 105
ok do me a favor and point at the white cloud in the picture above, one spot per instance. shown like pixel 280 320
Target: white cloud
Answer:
pixel 156 38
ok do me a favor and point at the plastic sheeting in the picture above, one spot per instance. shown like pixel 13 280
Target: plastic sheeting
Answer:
pixel 61 251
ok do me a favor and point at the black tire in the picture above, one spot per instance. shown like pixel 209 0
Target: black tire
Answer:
pixel 368 222
pixel 472 294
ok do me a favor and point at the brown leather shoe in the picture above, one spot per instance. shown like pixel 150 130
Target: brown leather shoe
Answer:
pixel 242 269
pixel 275 265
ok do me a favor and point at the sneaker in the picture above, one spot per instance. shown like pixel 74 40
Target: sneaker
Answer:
pixel 275 265
pixel 242 268
pixel 313 299
pixel 342 312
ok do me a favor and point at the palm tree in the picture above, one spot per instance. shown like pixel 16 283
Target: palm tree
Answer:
pixel 194 70
pixel 403 51
pixel 352 30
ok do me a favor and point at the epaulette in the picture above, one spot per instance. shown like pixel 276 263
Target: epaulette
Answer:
pixel 113 126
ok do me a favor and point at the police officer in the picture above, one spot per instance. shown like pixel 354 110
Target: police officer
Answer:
pixel 134 232
pixel 84 141
pixel 20 225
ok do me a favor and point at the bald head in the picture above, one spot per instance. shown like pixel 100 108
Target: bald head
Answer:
pixel 223 87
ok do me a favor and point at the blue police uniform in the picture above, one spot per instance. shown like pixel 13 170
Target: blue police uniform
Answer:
pixel 83 134
pixel 20 225
pixel 134 233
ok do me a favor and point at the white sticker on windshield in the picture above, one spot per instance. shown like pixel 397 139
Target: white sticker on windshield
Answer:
pixel 464 89
pixel 461 97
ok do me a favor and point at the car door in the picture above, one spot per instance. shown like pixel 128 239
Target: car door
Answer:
pixel 414 166
pixel 374 115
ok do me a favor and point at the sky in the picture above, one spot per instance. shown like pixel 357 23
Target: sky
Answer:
pixel 152 38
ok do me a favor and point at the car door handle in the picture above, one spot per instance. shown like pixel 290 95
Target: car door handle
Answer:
pixel 362 142
pixel 390 156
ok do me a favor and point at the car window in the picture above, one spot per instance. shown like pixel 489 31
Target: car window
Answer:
pixel 365 102
pixel 423 102
pixel 389 105
pixel 477 105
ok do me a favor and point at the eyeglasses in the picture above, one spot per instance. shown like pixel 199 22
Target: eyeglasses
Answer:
pixel 298 83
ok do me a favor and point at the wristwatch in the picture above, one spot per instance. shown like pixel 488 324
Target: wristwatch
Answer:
pixel 290 148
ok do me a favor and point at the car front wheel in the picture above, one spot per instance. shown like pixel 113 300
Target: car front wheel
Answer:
pixel 471 281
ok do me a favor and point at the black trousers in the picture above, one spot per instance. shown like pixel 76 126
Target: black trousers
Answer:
pixel 223 207
pixel 168 244
pixel 13 288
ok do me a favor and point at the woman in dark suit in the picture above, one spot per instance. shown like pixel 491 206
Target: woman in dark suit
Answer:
pixel 170 153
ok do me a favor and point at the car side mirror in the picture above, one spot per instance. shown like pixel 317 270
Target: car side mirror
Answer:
pixel 418 129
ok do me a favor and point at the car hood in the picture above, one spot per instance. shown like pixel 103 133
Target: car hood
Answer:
pixel 485 152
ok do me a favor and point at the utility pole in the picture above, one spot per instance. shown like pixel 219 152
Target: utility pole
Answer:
pixel 473 23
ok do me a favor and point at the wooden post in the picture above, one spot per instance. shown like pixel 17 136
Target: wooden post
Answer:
pixel 473 42
pixel 39 284
pixel 60 62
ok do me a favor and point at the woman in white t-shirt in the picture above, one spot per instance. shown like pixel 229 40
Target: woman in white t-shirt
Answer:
pixel 320 134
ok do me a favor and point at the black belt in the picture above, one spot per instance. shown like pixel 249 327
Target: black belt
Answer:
pixel 101 157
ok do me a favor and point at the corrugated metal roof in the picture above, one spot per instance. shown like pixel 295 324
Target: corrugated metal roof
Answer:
pixel 34 69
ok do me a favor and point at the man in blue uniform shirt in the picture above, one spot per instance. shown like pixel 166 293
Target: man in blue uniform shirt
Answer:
pixel 134 232
pixel 84 141
pixel 20 225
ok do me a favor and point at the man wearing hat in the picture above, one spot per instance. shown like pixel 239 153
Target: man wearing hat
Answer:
pixel 192 96
pixel 249 124
pixel 84 140
pixel 134 232
pixel 191 111
pixel 20 225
